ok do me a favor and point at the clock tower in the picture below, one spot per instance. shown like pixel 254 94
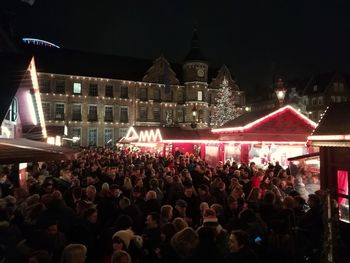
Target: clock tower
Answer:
pixel 195 67
pixel 195 77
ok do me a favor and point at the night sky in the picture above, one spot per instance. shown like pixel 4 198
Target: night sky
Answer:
pixel 256 38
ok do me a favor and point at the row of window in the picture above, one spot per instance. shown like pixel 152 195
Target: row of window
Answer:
pixel 319 100
pixel 124 92
pixel 337 87
pixel 60 88
pixel 92 136
pixel 59 113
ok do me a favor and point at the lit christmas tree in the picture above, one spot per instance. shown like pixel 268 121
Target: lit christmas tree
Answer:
pixel 225 107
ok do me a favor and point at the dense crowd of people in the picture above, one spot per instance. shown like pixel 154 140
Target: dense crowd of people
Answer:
pixel 118 206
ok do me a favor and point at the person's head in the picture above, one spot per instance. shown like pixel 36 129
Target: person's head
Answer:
pixel 121 239
pixel 124 203
pixel 50 228
pixel 153 183
pixel 66 175
pixel 181 206
pixel 188 191
pixel 179 223
pixel 238 240
pixel 74 253
pixel 203 190
pixel 283 184
pixel 209 216
pixel 139 182
pixel 151 195
pixel 91 192
pixel 184 241
pixel 105 187
pixel 219 209
pixel 152 220
pixel 221 186
pixel 166 211
pixel 90 215
pixel 121 257
pixel 314 201
pixel 232 202
pixel 202 207
pixel 255 194
pixel 266 179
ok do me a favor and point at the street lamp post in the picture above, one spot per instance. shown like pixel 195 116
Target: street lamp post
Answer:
pixel 194 117
pixel 280 91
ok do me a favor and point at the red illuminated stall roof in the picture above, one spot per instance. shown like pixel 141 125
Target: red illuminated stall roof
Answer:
pixel 284 120
pixel 334 127
pixel 282 125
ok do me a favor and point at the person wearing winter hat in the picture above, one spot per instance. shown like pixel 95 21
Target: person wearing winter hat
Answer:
pixel 184 242
pixel 121 239
pixel 209 216
pixel 210 220
pixel 120 242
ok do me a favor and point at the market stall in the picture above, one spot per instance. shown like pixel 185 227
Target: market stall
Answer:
pixel 266 136
pixel 332 136
pixel 173 140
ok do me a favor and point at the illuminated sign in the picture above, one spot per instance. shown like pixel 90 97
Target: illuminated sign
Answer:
pixel 144 136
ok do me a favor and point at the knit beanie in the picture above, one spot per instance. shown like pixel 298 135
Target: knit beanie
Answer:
pixel 209 216
pixel 125 236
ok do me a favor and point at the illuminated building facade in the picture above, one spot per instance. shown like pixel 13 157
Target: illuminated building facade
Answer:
pixel 98 98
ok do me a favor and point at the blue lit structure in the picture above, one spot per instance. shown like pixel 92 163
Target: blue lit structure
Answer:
pixel 38 42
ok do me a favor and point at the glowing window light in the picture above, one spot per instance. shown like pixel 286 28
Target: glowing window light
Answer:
pixel 51 140
pixel 191 141
pixel 269 142
pixel 236 142
pixel 313 162
pixel 145 144
pixel 256 122
pixel 58 141
pixel 35 83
